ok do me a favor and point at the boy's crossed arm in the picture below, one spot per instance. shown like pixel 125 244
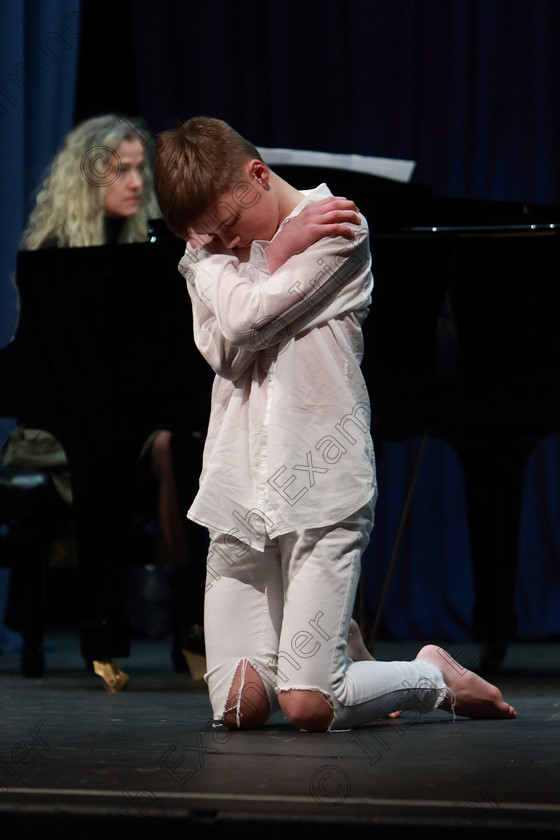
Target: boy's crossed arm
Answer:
pixel 328 217
pixel 255 314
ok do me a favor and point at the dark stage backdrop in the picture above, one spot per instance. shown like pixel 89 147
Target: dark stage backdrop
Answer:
pixel 469 90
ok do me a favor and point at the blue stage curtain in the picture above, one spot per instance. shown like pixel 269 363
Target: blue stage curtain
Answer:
pixel 538 578
pixel 39 42
pixel 430 594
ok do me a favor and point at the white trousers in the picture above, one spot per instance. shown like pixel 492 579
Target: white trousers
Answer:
pixel 287 611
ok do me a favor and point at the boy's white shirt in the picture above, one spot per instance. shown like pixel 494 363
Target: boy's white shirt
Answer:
pixel 288 444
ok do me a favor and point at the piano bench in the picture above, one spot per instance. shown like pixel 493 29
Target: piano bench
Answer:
pixel 37 533
pixel 29 506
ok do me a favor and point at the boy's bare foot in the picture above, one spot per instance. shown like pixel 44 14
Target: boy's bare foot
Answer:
pixel 474 697
pixel 357 650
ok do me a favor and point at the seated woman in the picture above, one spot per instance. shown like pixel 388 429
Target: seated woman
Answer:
pixel 98 190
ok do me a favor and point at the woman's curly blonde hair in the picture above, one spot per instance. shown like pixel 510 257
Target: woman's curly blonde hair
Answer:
pixel 70 205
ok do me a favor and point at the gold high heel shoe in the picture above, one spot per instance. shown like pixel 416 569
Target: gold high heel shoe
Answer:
pixel 113 678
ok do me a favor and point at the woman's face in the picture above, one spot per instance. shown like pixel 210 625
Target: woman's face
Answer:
pixel 124 188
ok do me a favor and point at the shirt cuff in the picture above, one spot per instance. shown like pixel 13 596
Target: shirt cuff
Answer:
pixel 258 256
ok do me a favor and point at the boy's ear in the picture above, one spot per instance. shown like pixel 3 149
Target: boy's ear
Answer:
pixel 259 171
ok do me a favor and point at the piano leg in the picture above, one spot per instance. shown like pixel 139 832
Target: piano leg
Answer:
pixel 494 469
pixel 103 467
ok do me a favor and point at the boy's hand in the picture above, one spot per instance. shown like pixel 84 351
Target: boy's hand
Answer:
pixel 195 240
pixel 328 217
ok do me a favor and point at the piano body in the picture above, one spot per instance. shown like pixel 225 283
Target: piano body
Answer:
pixel 102 356
pixel 461 343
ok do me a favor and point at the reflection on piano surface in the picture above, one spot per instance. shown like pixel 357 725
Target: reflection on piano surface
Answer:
pixel 461 343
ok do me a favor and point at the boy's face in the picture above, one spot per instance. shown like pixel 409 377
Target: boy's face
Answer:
pixel 243 214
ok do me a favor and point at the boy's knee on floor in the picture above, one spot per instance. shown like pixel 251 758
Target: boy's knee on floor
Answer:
pixel 309 709
pixel 247 705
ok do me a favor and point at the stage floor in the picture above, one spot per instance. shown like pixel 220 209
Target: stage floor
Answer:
pixel 76 761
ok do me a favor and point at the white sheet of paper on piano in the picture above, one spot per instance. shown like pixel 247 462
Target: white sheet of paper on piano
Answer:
pixel 393 168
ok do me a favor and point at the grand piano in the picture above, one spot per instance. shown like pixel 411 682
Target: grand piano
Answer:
pixel 461 344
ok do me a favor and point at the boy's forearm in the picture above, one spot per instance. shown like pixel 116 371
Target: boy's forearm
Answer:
pixel 255 305
pixel 277 253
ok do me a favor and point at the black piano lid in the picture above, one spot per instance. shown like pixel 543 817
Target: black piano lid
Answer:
pixel 104 329
pixel 394 206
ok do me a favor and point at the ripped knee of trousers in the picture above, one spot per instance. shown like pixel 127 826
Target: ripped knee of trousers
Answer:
pixel 310 709
pixel 247 704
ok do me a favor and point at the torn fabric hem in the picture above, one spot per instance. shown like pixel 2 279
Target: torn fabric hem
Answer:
pixel 304 688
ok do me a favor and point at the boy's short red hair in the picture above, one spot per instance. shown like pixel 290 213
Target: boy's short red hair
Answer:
pixel 194 165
